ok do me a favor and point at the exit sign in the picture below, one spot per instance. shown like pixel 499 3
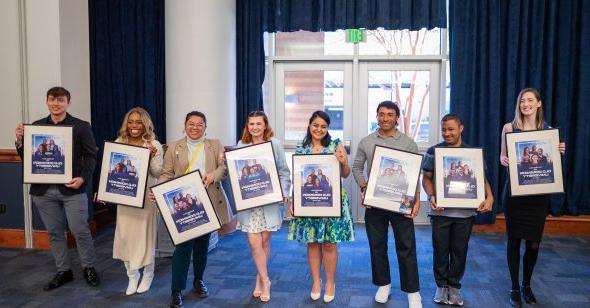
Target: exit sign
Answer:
pixel 356 35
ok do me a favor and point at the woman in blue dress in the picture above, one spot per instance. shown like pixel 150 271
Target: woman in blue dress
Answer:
pixel 322 234
pixel 525 215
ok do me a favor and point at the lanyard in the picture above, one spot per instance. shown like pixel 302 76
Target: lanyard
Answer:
pixel 194 158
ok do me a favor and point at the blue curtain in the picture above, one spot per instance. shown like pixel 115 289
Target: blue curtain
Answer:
pixel 499 47
pixel 127 64
pixel 254 17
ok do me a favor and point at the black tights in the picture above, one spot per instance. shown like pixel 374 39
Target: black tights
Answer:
pixel 529 260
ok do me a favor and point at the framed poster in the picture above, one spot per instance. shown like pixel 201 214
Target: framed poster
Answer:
pixel 47 154
pixel 459 177
pixel 534 162
pixel 186 207
pixel 316 185
pixel 393 179
pixel 123 174
pixel 253 175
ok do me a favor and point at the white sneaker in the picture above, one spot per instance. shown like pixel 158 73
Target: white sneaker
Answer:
pixel 414 300
pixel 382 294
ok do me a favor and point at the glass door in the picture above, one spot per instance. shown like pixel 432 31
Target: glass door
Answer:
pixel 415 88
pixel 301 89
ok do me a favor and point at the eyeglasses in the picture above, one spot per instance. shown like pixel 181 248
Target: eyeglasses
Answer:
pixel 195 125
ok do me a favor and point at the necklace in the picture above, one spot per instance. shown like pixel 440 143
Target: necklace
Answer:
pixel 317 148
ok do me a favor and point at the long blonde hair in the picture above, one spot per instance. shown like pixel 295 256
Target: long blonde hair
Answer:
pixel 148 126
pixel 519 118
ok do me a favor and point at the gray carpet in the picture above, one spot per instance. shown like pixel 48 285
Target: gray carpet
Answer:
pixel 561 279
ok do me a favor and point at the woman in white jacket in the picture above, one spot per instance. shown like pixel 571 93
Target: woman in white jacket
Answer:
pixel 135 233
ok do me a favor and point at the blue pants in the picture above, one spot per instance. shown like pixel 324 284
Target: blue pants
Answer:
pixel 181 259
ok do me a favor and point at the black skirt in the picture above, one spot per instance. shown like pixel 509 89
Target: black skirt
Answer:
pixel 525 215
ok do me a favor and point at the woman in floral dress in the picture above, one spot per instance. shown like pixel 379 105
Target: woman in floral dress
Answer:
pixel 322 234
pixel 260 222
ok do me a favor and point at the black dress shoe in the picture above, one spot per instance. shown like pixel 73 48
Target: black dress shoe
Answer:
pixel 59 279
pixel 515 300
pixel 91 276
pixel 176 300
pixel 528 295
pixel 200 289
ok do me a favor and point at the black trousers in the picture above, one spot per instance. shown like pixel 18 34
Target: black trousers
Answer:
pixel 377 223
pixel 181 259
pixel 450 240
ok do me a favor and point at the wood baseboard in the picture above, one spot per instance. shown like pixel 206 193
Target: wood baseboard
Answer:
pixel 9 156
pixel 562 225
pixel 12 238
pixel 15 238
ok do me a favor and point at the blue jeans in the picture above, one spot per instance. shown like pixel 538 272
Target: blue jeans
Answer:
pixel 59 211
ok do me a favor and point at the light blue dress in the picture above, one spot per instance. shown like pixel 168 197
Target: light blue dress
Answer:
pixel 268 217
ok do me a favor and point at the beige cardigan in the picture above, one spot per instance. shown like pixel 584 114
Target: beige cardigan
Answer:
pixel 176 161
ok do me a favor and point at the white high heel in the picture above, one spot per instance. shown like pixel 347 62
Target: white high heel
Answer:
pixel 329 298
pixel 316 296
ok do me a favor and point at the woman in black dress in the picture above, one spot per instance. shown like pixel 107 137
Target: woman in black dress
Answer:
pixel 525 215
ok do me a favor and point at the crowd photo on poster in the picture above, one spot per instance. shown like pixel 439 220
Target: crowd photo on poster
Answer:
pixel 534 166
pixel 459 178
pixel 392 182
pixel 48 155
pixel 186 208
pixel 316 190
pixel 123 178
pixel 254 178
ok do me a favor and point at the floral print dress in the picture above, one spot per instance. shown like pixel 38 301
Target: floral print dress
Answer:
pixel 323 229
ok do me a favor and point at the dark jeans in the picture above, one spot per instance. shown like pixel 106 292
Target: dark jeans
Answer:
pixel 181 260
pixel 377 223
pixel 450 240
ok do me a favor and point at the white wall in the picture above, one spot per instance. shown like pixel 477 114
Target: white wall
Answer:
pixel 201 66
pixel 53 37
pixel 43 53
pixel 75 55
pixel 10 104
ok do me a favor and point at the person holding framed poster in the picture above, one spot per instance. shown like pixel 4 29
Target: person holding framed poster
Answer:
pixel 377 220
pixel 391 180
pixel 322 234
pixel 451 227
pixel 260 222
pixel 62 206
pixel 525 215
pixel 135 231
pixel 190 153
